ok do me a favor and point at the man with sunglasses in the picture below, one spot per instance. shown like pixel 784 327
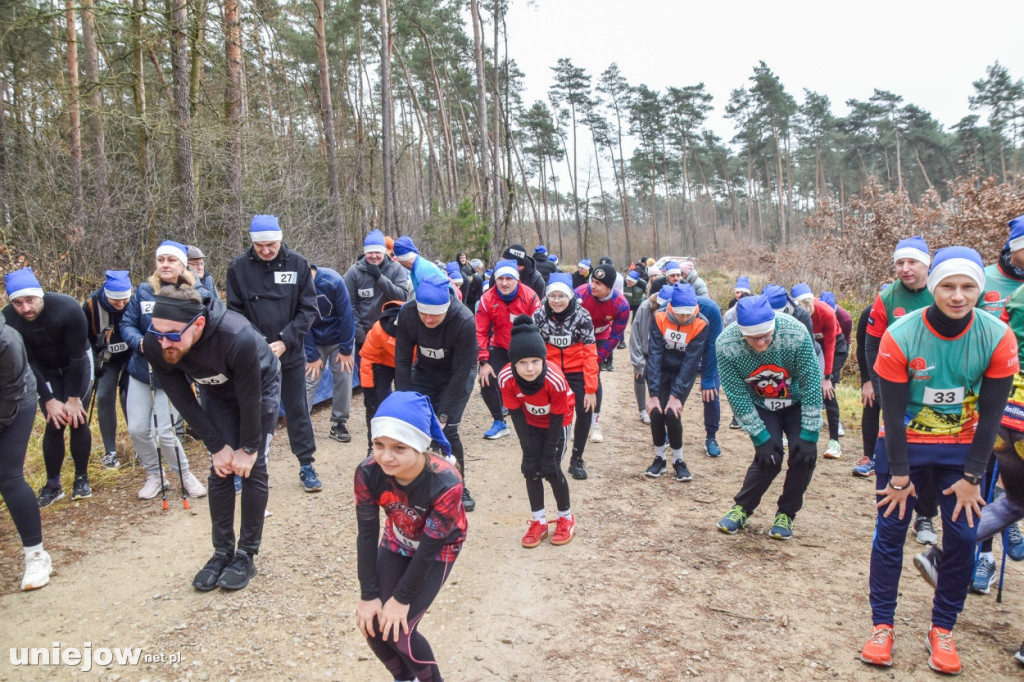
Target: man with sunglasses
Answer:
pixel 239 384
pixel 770 373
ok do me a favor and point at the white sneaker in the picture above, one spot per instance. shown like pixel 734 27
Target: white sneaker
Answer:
pixel 152 486
pixel 38 567
pixel 841 430
pixel 595 434
pixel 644 417
pixel 192 485
pixel 834 450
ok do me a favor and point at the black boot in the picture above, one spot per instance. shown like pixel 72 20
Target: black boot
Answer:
pixel 577 469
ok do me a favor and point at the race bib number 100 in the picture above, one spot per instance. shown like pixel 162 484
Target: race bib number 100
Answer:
pixel 286 277
pixel 944 396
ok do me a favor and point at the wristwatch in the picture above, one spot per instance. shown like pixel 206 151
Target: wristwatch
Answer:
pixel 250 450
pixel 973 480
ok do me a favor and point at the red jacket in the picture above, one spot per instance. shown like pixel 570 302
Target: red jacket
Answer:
pixel 494 318
pixel 826 329
pixel 556 399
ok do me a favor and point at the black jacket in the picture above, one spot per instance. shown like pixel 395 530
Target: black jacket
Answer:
pixel 446 353
pixel 545 267
pixel 276 296
pixel 233 364
pixel 57 344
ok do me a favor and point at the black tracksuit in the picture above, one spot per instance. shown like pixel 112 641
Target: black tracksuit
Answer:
pixel 279 299
pixel 445 358
pixel 238 378
pixel 57 343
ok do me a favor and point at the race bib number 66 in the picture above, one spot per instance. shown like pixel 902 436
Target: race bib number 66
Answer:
pixel 944 396
pixel 286 277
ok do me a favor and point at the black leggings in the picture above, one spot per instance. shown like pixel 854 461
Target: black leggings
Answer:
pixel 666 423
pixel 869 417
pixel 411 655
pixel 537 468
pixel 16 492
pixel 373 396
pixel 581 430
pixel 53 436
pixel 491 393
pixel 832 404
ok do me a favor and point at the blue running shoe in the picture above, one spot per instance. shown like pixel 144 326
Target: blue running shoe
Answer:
pixel 711 447
pixel 311 482
pixel 984 576
pixel 498 430
pixel 238 484
pixel 865 467
pixel 1014 543
pixel 733 521
pixel 782 529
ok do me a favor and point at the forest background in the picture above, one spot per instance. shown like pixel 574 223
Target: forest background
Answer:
pixel 125 123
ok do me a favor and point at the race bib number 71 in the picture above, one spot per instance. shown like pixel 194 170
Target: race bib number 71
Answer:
pixel 286 277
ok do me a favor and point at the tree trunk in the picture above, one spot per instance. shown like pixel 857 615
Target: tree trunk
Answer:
pixel 76 230
pixel 233 111
pixel 481 112
pixel 178 14
pixel 327 114
pixel 198 41
pixel 97 145
pixel 142 133
pixel 386 115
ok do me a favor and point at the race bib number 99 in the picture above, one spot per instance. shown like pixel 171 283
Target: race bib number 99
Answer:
pixel 675 338
pixel 286 277
pixel 944 396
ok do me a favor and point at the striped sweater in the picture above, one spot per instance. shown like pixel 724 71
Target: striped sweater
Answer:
pixel 787 373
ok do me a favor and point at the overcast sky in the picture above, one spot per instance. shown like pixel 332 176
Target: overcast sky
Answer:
pixel 929 53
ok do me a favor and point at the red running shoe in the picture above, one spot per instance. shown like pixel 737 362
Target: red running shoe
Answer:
pixel 944 658
pixel 878 650
pixel 535 534
pixel 565 528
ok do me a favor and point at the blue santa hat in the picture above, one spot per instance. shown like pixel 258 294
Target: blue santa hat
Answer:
pixel 560 281
pixel 1016 240
pixel 506 268
pixel 755 316
pixel 672 268
pixel 22 283
pixel 404 249
pixel 488 272
pixel 454 271
pixel 375 242
pixel 743 284
pixel 118 286
pixel 684 300
pixel 956 260
pixel 915 248
pixel 633 275
pixel 829 298
pixel 540 250
pixel 408 418
pixel 553 258
pixel 179 251
pixel 432 297
pixel 665 295
pixel 265 228
pixel 776 296
pixel 585 263
pixel 801 291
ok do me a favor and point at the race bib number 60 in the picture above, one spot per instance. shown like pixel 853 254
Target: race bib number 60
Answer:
pixel 944 396
pixel 286 277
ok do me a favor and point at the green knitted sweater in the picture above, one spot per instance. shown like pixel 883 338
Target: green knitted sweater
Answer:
pixel 787 373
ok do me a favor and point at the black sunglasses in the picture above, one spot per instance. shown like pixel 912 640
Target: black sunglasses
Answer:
pixel 173 337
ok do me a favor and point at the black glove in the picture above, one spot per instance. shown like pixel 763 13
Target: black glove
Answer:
pixel 372 270
pixel 802 452
pixel 100 369
pixel 768 453
pixel 360 336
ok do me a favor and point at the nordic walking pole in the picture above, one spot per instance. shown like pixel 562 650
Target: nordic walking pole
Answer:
pixel 96 378
pixel 156 440
pixel 177 456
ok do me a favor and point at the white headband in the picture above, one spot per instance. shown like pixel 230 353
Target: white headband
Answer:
pixel 403 431
pixel 912 253
pixel 757 329
pixel 955 266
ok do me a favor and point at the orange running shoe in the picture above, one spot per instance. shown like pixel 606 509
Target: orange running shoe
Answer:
pixel 878 650
pixel 944 658
pixel 535 533
pixel 565 528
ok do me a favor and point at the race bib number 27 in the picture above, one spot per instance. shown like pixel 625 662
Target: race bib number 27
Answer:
pixel 286 277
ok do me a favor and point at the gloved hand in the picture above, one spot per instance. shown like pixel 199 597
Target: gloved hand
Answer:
pixel 802 452
pixel 371 269
pixel 768 453
pixel 100 369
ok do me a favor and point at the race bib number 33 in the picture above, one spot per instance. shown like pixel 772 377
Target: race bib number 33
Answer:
pixel 943 396
pixel 286 277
